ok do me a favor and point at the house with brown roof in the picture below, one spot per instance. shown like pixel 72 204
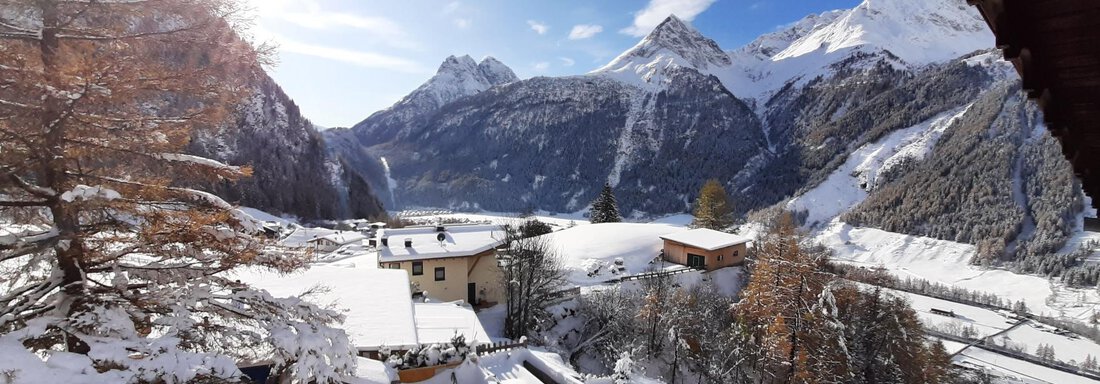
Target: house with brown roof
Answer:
pixel 704 248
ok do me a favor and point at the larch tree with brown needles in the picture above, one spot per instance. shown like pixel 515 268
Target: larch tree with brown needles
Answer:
pixel 111 270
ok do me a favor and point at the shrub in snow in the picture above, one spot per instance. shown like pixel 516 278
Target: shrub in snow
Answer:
pixel 624 369
pixel 430 355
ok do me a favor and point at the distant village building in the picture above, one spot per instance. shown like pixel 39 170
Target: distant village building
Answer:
pixel 332 242
pixel 704 248
pixel 452 262
pixel 368 228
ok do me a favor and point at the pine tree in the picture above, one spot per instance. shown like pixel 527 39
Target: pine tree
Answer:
pixel 1089 363
pixel 113 260
pixel 712 207
pixel 605 209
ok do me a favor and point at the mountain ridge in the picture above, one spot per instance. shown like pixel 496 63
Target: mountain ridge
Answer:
pixel 772 121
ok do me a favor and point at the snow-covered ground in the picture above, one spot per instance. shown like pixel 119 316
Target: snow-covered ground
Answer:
pixel 264 216
pixel 1027 336
pixel 558 220
pixel 947 262
pixel 507 367
pixel 592 252
pixel 1018 371
pixel 633 246
pixel 985 322
pixel 1066 349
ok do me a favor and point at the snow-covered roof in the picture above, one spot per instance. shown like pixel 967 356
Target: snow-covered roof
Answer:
pixel 704 238
pixel 440 322
pixel 341 238
pixel 377 302
pixel 459 241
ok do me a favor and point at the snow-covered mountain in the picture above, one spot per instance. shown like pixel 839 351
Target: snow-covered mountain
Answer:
pixel 456 78
pixel 671 44
pixel 773 120
pixel 294 172
pixel 907 34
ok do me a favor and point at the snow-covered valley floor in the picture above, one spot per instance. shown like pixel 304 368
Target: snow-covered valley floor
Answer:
pixel 592 254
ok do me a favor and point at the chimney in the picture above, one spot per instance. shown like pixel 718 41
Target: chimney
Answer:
pixel 408 242
pixel 372 242
pixel 385 242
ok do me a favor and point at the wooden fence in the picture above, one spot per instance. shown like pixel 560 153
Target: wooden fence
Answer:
pixel 654 274
pixel 564 294
pixel 485 349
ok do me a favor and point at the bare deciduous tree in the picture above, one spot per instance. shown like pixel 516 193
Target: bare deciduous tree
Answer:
pixel 532 273
pixel 104 254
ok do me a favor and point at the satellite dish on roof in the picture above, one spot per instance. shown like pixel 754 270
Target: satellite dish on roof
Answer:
pixel 441 237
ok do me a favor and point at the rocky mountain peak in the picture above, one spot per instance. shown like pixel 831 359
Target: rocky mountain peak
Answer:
pixel 496 72
pixel 457 64
pixel 671 43
pixel 675 36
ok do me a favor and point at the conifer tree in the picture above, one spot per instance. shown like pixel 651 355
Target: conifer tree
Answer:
pixel 810 327
pixel 605 209
pixel 113 264
pixel 712 207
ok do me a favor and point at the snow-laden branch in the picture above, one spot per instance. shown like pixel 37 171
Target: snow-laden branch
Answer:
pixel 31 188
pixel 197 160
pixel 85 193
pixel 15 104
pixel 19 35
pixel 30 31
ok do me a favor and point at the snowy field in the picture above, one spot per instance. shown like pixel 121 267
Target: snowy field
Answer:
pixel 592 252
pixel 1017 371
pixel 947 262
pixel 631 248
pixel 988 322
pixel 985 322
pixel 429 216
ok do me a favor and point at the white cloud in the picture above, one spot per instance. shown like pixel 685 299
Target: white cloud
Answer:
pixel 541 66
pixel 451 7
pixel 567 62
pixel 309 14
pixel 657 10
pixel 462 23
pixel 584 31
pixel 538 26
pixel 360 58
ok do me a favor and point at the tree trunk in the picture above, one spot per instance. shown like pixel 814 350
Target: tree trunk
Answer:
pixel 66 217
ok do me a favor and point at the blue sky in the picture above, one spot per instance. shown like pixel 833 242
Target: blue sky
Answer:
pixel 342 60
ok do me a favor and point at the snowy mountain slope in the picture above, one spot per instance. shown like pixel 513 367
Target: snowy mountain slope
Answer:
pixel 294 172
pixel 850 183
pixel 456 78
pixel 833 110
pixel 908 34
pixel 671 44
